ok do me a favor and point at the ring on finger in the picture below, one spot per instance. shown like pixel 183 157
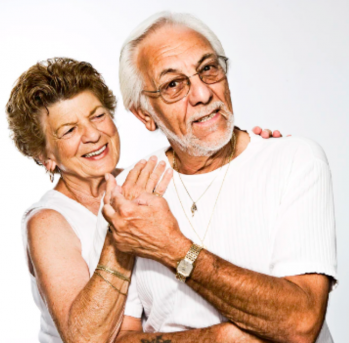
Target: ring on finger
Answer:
pixel 157 194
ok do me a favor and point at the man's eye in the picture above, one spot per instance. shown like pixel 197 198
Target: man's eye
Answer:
pixel 209 68
pixel 177 83
pixel 173 84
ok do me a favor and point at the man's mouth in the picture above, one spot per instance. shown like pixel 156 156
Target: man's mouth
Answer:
pixel 208 117
pixel 96 152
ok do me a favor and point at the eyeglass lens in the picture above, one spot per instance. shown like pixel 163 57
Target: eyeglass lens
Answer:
pixel 178 86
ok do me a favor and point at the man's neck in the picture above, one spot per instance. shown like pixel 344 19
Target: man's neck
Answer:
pixel 191 165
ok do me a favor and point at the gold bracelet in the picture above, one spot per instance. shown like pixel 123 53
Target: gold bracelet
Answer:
pixel 109 283
pixel 113 272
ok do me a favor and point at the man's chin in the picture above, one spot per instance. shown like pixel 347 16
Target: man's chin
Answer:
pixel 209 145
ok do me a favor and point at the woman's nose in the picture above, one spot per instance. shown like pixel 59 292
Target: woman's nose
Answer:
pixel 90 134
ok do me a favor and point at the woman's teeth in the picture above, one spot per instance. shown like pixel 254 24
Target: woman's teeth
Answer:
pixel 207 117
pixel 98 152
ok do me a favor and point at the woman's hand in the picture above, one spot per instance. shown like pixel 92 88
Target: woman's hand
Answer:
pixel 266 133
pixel 144 177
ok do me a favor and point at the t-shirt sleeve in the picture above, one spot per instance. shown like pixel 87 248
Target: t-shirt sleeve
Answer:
pixel 305 239
pixel 133 306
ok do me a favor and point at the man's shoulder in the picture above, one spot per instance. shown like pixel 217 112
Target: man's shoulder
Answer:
pixel 160 154
pixel 294 148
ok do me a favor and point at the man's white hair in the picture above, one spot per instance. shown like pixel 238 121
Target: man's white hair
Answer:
pixel 131 81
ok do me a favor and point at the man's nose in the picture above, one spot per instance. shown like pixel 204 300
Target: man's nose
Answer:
pixel 200 92
pixel 90 134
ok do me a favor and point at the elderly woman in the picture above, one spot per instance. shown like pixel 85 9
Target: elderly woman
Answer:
pixel 61 115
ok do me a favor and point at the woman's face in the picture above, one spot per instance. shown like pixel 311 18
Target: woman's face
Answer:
pixel 82 139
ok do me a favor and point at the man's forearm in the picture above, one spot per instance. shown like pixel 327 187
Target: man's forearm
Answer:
pixel 97 312
pixel 221 333
pixel 266 306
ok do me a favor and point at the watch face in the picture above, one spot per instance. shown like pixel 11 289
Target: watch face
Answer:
pixel 185 268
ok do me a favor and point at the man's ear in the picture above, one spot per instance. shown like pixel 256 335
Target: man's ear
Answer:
pixel 145 118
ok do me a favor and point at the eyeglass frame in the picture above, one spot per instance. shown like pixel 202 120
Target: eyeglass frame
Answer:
pixel 225 59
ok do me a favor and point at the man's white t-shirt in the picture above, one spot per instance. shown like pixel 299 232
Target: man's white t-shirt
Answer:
pixel 274 215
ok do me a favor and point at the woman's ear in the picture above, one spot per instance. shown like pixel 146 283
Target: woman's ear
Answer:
pixel 145 118
pixel 48 163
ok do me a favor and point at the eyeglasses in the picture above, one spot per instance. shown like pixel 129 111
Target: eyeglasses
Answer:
pixel 178 86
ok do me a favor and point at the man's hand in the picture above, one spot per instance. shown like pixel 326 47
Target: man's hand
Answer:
pixel 144 226
pixel 131 331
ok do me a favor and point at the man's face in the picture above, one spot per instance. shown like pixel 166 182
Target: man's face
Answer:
pixel 201 122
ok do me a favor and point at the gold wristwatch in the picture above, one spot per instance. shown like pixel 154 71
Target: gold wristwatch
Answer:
pixel 186 266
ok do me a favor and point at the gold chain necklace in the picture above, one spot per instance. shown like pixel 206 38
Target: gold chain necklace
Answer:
pixel 219 192
pixel 194 206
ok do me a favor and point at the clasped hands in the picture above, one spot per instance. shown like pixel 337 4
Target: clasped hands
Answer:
pixel 141 222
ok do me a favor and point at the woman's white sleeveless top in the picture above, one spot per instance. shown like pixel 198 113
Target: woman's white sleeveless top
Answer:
pixel 83 222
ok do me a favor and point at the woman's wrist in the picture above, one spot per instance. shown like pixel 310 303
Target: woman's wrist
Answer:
pixel 115 259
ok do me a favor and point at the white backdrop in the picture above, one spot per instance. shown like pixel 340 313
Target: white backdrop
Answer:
pixel 289 70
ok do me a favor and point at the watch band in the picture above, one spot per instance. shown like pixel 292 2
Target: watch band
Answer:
pixel 193 252
pixel 180 277
pixel 191 256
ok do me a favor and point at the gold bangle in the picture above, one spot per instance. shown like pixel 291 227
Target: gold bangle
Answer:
pixel 113 272
pixel 109 283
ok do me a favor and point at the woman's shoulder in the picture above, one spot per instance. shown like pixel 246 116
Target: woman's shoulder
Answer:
pixel 45 218
pixel 54 209
pixel 48 225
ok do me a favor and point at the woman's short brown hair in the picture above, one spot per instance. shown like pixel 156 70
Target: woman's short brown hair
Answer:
pixel 44 84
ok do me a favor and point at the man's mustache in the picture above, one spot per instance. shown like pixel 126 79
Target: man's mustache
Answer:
pixel 214 107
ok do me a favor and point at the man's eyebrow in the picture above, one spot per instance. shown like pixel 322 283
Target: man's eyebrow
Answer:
pixel 171 70
pixel 205 57
pixel 166 71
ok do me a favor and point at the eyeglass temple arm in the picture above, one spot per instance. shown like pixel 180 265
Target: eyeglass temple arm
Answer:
pixel 144 91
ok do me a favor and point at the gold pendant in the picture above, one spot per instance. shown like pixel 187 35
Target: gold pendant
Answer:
pixel 193 209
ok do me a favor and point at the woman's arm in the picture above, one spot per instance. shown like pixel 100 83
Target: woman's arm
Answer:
pixel 83 309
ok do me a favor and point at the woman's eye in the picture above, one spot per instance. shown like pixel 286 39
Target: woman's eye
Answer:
pixel 69 131
pixel 99 116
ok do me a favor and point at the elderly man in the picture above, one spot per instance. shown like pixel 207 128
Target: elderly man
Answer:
pixel 243 247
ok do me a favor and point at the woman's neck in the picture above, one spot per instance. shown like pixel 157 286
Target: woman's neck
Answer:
pixel 87 192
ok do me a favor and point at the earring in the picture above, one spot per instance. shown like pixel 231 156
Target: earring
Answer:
pixel 52 176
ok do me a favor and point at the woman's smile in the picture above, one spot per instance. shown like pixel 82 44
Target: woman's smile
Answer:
pixel 97 154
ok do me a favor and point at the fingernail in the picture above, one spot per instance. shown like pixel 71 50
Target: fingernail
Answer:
pixel 169 171
pixel 142 161
pixel 162 163
pixel 106 176
pixel 153 158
